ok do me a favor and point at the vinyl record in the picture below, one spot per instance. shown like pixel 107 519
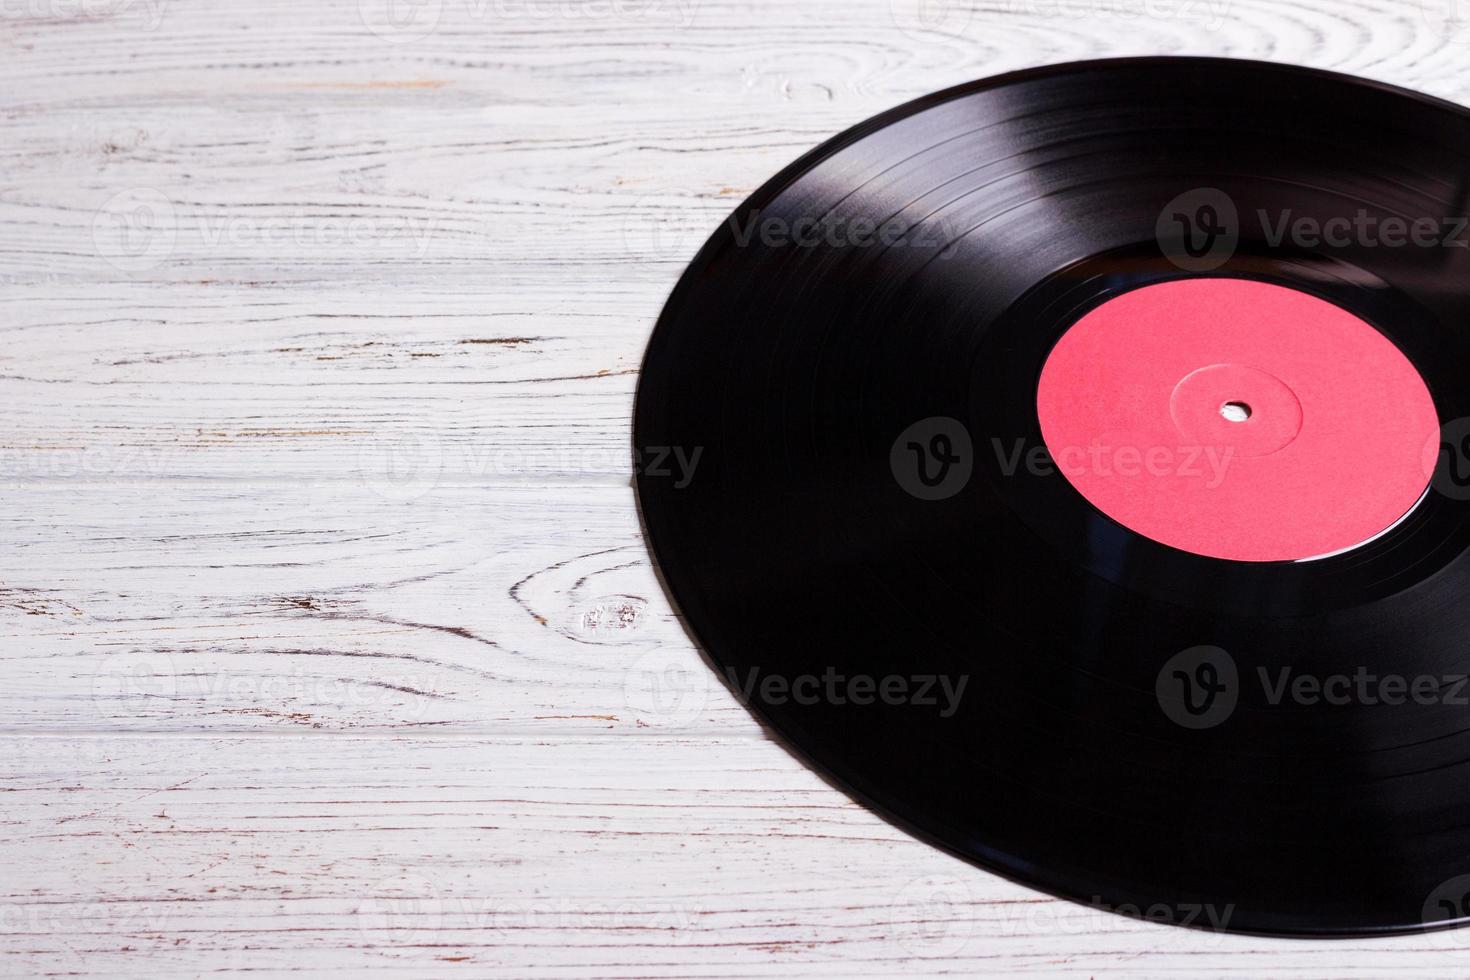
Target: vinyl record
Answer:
pixel 1074 469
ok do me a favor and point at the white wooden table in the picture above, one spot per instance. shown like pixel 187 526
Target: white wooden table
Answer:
pixel 328 641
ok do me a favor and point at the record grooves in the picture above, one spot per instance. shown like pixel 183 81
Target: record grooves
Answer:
pixel 1194 711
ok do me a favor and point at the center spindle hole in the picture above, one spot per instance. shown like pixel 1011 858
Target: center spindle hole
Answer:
pixel 1235 411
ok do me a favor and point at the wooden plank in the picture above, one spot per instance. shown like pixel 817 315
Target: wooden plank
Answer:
pixel 331 608
pixel 621 857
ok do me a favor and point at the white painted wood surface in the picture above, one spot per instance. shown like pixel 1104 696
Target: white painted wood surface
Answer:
pixel 328 642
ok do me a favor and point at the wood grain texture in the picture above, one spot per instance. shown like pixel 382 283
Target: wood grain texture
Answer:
pixel 327 636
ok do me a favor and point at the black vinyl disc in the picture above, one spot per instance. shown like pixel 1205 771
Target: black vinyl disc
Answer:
pixel 898 290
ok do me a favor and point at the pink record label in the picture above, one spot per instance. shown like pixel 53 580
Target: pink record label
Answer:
pixel 1237 419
